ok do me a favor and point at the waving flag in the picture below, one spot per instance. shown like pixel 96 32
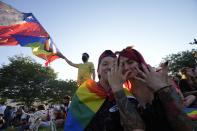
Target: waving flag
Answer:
pixel 17 28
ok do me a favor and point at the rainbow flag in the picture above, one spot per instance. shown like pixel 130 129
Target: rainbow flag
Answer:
pixel 191 113
pixel 18 28
pixel 85 103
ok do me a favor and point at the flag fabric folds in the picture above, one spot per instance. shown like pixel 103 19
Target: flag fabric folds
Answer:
pixel 17 28
pixel 85 104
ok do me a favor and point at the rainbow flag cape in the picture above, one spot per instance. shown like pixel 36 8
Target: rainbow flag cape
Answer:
pixel 85 103
pixel 17 28
pixel 191 113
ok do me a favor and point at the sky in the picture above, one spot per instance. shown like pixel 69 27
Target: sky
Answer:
pixel 156 28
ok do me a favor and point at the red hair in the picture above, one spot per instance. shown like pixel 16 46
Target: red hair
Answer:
pixel 133 54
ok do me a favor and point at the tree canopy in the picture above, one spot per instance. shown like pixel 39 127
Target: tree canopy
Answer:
pixel 181 59
pixel 25 80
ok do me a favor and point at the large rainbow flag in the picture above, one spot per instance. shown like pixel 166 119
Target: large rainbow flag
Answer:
pixel 85 103
pixel 18 28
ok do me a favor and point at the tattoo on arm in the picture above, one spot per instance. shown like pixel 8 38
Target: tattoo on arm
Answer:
pixel 171 102
pixel 128 114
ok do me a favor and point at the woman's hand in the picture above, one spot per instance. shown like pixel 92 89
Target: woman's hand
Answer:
pixel 116 78
pixel 154 80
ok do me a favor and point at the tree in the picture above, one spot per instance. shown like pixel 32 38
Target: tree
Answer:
pixel 23 79
pixel 181 59
pixel 59 88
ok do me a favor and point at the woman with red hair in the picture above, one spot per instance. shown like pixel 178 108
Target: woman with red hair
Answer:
pixel 156 102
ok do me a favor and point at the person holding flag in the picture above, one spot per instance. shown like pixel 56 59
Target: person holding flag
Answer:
pixel 86 69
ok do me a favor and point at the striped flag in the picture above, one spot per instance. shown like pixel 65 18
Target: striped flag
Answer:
pixel 18 28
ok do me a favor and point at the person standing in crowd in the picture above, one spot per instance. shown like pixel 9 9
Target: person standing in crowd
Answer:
pixel 156 101
pixel 85 70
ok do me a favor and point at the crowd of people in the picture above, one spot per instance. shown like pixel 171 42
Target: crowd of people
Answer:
pixel 22 118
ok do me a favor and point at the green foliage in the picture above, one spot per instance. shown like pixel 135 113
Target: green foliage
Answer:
pixel 181 59
pixel 57 89
pixel 25 80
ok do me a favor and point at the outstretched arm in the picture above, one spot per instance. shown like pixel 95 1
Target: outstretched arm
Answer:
pixel 68 61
